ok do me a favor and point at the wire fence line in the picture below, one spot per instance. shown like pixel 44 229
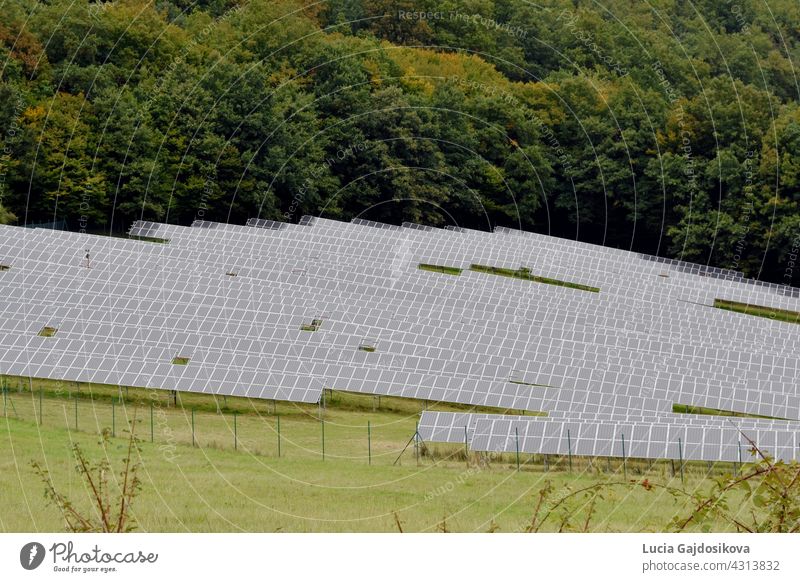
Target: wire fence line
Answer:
pixel 166 422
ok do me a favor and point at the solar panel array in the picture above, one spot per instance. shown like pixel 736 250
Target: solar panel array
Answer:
pixel 276 310
pixel 667 436
pixel 129 315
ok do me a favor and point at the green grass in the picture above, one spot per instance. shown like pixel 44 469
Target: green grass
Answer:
pixel 528 383
pixel 689 409
pixel 29 388
pixel 313 326
pixel 526 275
pixel 758 310
pixel 152 239
pixel 522 273
pixel 180 361
pixel 207 489
pixel 47 331
pixel 440 269
pixel 219 485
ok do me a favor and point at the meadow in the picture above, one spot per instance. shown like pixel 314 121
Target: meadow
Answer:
pixel 229 474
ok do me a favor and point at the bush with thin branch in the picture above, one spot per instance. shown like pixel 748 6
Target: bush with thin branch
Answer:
pixel 769 494
pixel 111 507
pixel 764 497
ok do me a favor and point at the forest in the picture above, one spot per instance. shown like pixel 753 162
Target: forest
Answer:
pixel 669 127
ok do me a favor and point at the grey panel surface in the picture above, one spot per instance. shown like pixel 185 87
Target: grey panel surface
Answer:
pixel 235 298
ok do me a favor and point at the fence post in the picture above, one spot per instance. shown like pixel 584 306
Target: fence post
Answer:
pixel 680 457
pixel 624 464
pixel 416 442
pixel 369 442
pixel 739 444
pixel 466 446
pixel 516 434
pixel 569 450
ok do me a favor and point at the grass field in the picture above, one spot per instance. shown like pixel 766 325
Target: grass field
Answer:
pixel 219 485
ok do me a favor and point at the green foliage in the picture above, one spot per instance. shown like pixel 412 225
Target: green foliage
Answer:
pixel 770 499
pixel 671 131
pixel 6 217
pixel 763 497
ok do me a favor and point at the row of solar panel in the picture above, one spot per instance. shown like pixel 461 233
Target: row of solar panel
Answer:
pixel 374 277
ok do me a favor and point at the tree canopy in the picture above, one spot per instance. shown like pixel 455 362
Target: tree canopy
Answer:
pixel 665 127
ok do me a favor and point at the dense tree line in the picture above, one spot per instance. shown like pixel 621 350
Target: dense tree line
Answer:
pixel 668 127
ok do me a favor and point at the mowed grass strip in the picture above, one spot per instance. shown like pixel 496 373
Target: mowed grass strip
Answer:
pixel 440 269
pixel 758 310
pixel 203 402
pixel 689 409
pixel 150 239
pixel 526 275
